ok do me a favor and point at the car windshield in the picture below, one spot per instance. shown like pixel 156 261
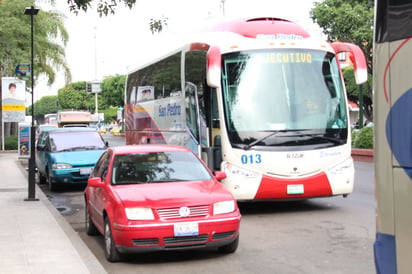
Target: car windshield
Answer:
pixel 76 140
pixel 157 167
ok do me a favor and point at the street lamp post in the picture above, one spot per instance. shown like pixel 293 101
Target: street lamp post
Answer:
pixel 32 11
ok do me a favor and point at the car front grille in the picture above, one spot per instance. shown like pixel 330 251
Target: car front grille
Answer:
pixel 146 242
pixel 224 235
pixel 173 213
pixel 172 241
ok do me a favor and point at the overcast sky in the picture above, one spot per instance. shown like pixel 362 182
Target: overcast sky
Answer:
pixel 118 43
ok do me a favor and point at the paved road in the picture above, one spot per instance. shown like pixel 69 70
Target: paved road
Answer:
pixel 327 235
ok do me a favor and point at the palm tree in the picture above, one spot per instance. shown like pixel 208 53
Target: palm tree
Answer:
pixel 50 38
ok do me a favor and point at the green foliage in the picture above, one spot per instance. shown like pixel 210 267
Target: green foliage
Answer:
pixel 50 37
pixel 113 91
pixel 349 21
pixel 10 143
pixel 104 7
pixel 110 114
pixel 46 104
pixel 74 96
pixel 352 89
pixel 363 138
pixel 156 25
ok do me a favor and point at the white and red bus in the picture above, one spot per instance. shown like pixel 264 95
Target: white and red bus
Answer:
pixel 392 70
pixel 257 98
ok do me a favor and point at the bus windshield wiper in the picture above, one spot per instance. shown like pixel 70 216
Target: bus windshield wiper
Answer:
pixel 323 137
pixel 272 134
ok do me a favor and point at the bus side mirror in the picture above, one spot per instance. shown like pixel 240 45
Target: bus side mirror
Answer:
pixel 357 58
pixel 214 67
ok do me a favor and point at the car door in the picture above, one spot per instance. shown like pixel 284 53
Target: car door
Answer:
pixel 97 195
pixel 41 150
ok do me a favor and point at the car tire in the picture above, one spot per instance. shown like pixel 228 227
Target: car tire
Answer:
pixel 230 248
pixel 52 187
pixel 42 178
pixel 112 255
pixel 90 227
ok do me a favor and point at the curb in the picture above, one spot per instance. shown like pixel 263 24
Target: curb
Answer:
pixel 362 152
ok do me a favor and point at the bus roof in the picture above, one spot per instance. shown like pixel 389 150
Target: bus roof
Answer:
pixel 254 27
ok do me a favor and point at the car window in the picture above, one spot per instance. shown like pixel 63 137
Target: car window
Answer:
pixel 102 165
pixel 158 167
pixel 76 140
pixel 42 138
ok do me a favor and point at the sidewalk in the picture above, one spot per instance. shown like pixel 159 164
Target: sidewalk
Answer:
pixel 34 237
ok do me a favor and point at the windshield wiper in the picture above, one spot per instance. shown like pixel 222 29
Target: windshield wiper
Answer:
pixel 323 137
pixel 272 134
pixel 92 147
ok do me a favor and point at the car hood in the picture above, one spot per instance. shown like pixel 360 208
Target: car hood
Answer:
pixel 77 158
pixel 172 194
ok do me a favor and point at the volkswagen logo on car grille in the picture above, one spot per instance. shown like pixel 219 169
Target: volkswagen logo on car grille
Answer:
pixel 184 211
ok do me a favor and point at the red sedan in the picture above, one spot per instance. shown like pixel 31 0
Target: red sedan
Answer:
pixel 147 198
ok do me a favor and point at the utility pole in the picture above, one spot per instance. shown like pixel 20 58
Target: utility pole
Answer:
pixel 32 11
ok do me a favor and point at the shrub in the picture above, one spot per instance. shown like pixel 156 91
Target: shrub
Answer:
pixel 10 143
pixel 363 138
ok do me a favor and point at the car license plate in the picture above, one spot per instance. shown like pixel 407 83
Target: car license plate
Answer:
pixel 186 229
pixel 85 171
pixel 295 189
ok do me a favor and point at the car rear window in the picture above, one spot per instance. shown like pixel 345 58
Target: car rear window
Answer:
pixel 159 167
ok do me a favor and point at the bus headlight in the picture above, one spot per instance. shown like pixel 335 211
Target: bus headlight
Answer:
pixel 235 171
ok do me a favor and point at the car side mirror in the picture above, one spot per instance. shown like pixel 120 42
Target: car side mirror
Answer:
pixel 40 147
pixel 95 182
pixel 219 175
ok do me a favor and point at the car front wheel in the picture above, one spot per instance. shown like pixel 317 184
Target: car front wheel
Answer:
pixel 111 252
pixel 52 186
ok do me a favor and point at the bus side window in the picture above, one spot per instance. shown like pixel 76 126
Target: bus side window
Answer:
pixel 191 116
pixel 211 113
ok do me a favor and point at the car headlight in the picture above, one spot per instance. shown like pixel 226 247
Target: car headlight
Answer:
pixel 139 213
pixel 61 166
pixel 235 171
pixel 223 207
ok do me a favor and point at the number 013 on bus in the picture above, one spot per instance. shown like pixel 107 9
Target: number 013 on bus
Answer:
pixel 257 98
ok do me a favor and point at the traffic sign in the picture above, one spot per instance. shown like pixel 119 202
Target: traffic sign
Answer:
pixel 23 70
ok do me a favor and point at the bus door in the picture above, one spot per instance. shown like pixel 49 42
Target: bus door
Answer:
pixel 194 137
pixel 212 152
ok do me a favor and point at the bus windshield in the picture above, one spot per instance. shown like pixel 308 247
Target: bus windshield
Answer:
pixel 284 97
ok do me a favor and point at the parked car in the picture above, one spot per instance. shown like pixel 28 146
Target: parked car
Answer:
pixel 67 155
pixel 42 128
pixel 116 130
pixel 147 198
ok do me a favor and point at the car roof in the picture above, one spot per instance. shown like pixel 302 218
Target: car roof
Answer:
pixel 130 149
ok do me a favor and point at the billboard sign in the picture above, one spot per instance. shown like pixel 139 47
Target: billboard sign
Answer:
pixel 13 99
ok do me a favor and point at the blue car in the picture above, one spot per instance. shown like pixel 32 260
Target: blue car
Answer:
pixel 67 155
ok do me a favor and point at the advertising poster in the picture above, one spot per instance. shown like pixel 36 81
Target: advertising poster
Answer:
pixel 13 98
pixel 24 140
